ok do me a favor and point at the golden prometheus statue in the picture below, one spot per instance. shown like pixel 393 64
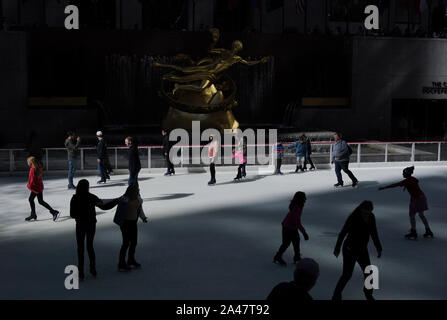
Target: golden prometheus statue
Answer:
pixel 201 91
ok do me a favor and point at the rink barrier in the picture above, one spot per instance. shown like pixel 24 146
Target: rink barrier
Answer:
pixel 14 160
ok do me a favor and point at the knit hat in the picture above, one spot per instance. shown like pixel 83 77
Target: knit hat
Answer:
pixel 99 133
pixel 306 273
pixel 409 170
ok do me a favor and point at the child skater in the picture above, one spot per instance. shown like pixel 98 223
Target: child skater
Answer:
pixel 279 154
pixel 290 226
pixel 239 155
pixel 82 209
pixel 35 185
pixel 418 202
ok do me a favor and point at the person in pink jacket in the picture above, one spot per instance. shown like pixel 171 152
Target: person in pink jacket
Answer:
pixel 290 226
pixel 239 156
pixel 213 148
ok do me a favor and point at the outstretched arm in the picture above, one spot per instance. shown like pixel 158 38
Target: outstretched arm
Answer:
pixel 394 185
pixel 252 63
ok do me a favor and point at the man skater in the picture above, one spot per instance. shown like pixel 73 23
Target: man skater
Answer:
pixel 166 149
pixel 134 161
pixel 300 152
pixel 212 153
pixel 72 144
pixel 309 152
pixel 340 156
pixel 101 149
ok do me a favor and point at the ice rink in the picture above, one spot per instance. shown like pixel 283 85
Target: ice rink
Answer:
pixel 218 242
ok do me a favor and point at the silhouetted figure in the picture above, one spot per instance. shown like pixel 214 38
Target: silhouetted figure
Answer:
pixel 130 208
pixel 290 226
pixel 166 148
pixel 359 226
pixel 340 157
pixel 239 156
pixel 213 147
pixel 134 161
pixel 72 144
pixel 308 159
pixel 82 209
pixel 279 154
pixel 285 297
pixel 300 153
pixel 418 202
pixel 102 158
pixel 35 185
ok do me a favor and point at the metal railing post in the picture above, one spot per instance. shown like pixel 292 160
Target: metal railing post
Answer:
pixel 82 159
pixel 439 151
pixel 148 157
pixel 359 146
pixel 412 152
pixel 46 160
pixel 11 160
pixel 386 152
pixel 116 158
pixel 330 152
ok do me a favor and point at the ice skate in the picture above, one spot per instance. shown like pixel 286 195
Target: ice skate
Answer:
pixel 279 260
pixel 123 267
pixel 412 235
pixel 337 185
pixel 134 264
pixel 355 183
pixel 428 233
pixel 296 258
pixel 33 216
pixel 212 182
pixel 55 214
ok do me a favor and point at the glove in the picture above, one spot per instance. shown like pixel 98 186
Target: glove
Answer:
pixel 306 236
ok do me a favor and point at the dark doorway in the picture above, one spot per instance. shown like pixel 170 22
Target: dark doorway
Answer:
pixel 419 119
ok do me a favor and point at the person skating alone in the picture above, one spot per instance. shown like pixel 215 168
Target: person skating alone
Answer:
pixel 35 185
pixel 72 145
pixel 213 148
pixel 82 209
pixel 300 153
pixel 239 156
pixel 130 208
pixel 418 202
pixel 134 161
pixel 358 228
pixel 340 157
pixel 101 150
pixel 166 148
pixel 290 226
pixel 308 159
pixel 279 154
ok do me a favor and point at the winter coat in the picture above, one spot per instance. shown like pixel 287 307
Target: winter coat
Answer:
pixel 35 183
pixel 300 149
pixel 121 210
pixel 134 160
pixel 72 147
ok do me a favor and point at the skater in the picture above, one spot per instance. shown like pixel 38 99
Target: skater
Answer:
pixel 130 208
pixel 134 161
pixel 35 185
pixel 213 147
pixel 290 226
pixel 359 226
pixel 305 277
pixel 279 154
pixel 101 150
pixel 340 156
pixel 418 202
pixel 309 152
pixel 82 209
pixel 300 152
pixel 72 144
pixel 239 155
pixel 166 148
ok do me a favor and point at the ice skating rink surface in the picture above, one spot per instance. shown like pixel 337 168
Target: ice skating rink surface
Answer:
pixel 218 242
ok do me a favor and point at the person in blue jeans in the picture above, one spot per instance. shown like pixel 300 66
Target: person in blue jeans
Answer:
pixel 72 145
pixel 340 157
pixel 300 147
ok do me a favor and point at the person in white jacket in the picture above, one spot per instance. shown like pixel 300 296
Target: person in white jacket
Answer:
pixel 213 147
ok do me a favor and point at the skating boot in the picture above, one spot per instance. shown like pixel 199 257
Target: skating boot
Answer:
pixel 412 235
pixel 101 181
pixel 55 214
pixel 167 174
pixel 123 267
pixel 428 233
pixel 355 183
pixel 212 182
pixel 279 260
pixel 31 217
pixel 312 168
pixel 338 185
pixel 297 168
pixel 133 264
pixel 296 258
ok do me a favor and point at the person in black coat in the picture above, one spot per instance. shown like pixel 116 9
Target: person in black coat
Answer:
pixel 359 226
pixel 166 149
pixel 82 209
pixel 102 159
pixel 308 159
pixel 134 161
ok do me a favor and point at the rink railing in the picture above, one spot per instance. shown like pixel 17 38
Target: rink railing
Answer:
pixel 152 157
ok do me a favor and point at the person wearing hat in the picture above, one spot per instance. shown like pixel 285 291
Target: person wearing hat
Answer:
pixel 305 277
pixel 418 202
pixel 101 150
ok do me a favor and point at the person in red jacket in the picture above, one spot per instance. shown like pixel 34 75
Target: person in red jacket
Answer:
pixel 35 185
pixel 418 202
pixel 290 226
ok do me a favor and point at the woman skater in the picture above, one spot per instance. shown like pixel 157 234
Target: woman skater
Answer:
pixel 239 155
pixel 358 227
pixel 418 202
pixel 130 208
pixel 82 209
pixel 35 185
pixel 290 226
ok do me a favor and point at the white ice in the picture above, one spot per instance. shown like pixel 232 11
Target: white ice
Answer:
pixel 217 242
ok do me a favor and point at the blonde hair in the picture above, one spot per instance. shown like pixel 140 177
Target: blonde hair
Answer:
pixel 32 162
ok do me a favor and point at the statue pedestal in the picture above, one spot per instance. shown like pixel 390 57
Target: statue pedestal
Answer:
pixel 219 120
